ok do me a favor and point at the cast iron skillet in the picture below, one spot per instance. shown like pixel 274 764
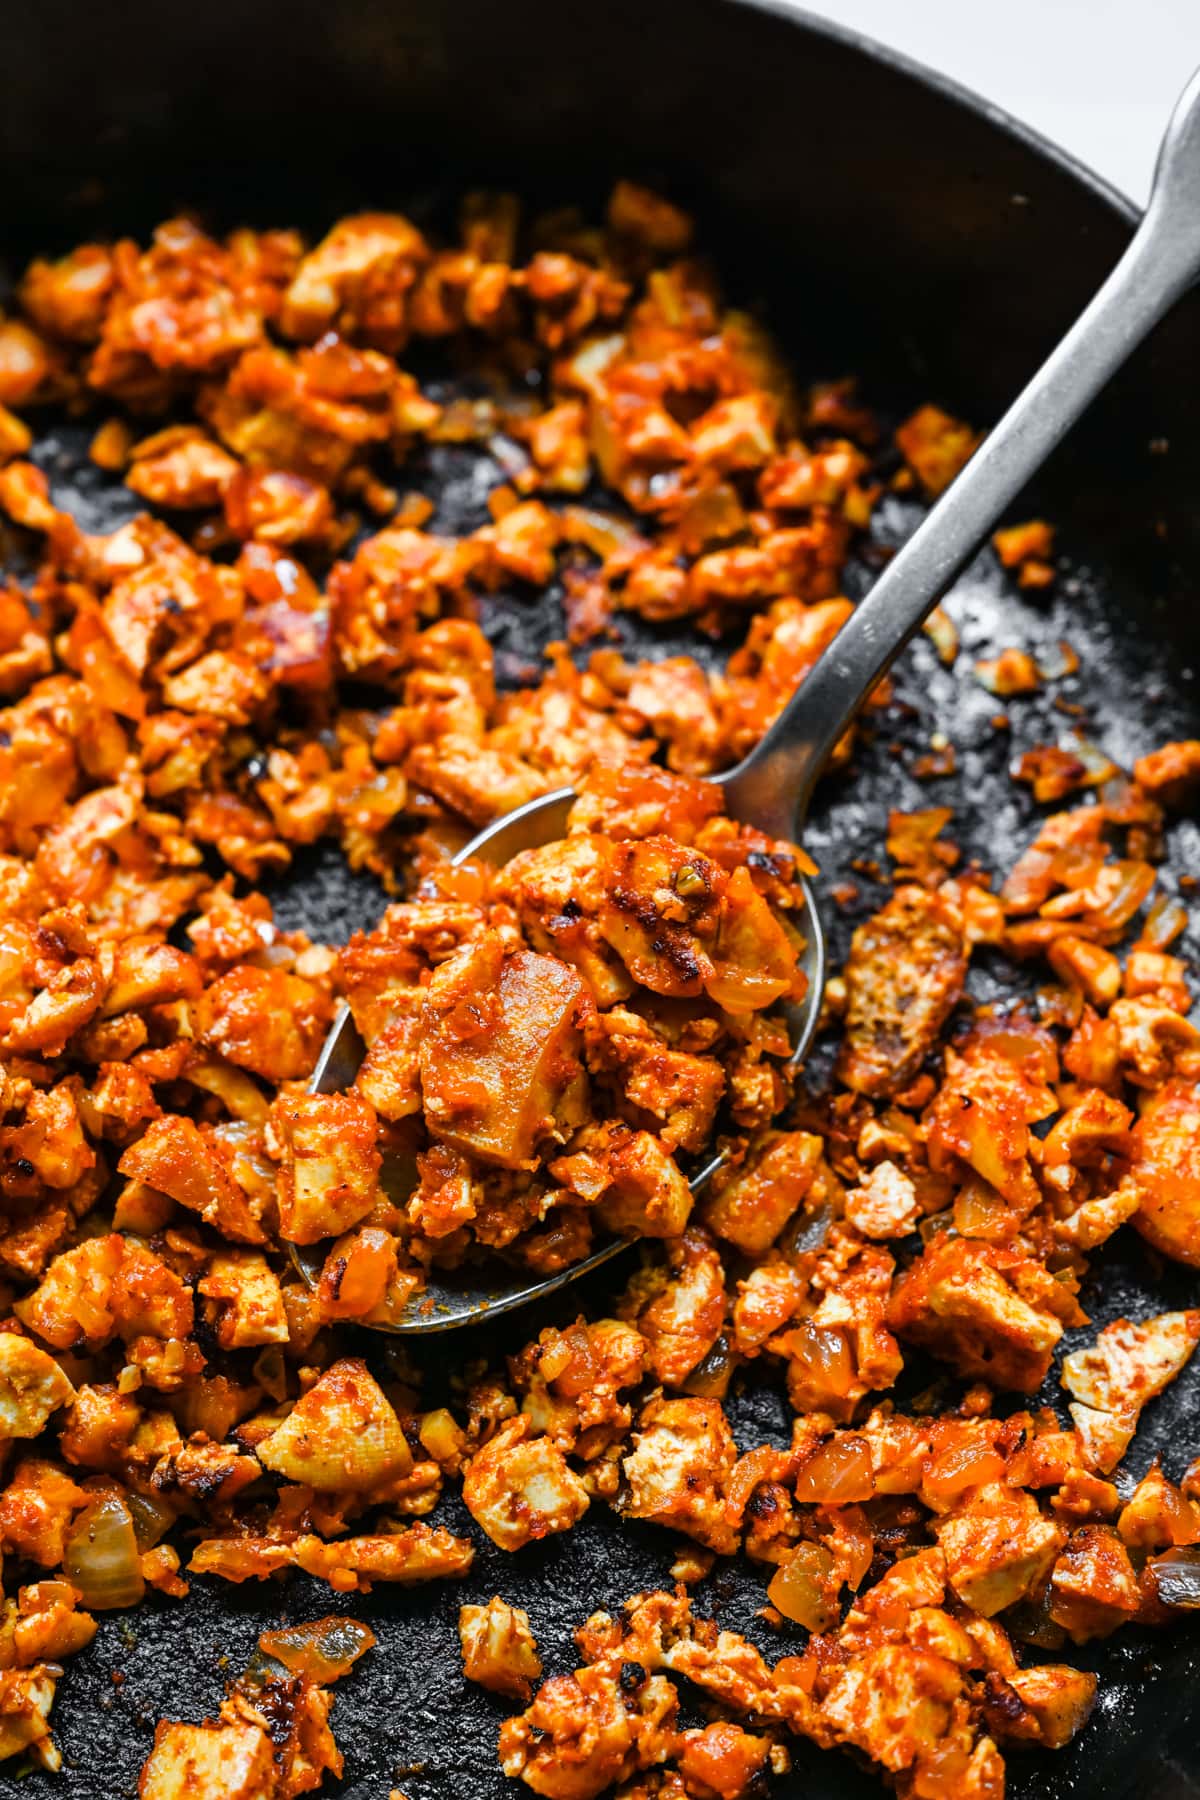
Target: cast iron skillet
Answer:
pixel 887 222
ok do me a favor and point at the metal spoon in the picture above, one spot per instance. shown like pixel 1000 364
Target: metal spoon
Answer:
pixel 773 786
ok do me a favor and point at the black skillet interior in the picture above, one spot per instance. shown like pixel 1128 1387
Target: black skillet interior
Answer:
pixel 886 224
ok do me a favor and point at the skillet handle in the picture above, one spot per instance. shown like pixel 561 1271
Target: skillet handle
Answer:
pixel 772 788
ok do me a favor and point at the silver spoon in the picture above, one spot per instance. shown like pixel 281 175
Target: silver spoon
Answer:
pixel 772 788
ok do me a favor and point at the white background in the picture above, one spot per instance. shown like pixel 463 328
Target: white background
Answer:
pixel 1098 76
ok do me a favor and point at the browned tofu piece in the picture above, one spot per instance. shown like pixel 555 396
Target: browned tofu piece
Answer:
pixel 682 1453
pixel 1057 1702
pixel 498 1648
pixel 895 1703
pixel 648 1195
pixel 750 1203
pixel 343 1435
pixel 905 972
pixel 249 1299
pixel 329 1177
pixel 518 1487
pixel 26 1696
pixel 175 1157
pixel 997 1546
pixel 200 1762
pixel 1171 773
pixel 32 1386
pixel 986 1309
pixel 500 1057
pixel 1112 1379
pixel 661 913
pixel 680 1312
pixel 1166 1170
pixel 1093 1587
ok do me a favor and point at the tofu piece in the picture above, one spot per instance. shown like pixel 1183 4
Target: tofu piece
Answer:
pixel 518 1487
pixel 903 976
pixel 32 1386
pixel 1166 1170
pixel 329 1176
pixel 104 1286
pixel 26 1696
pixel 767 1300
pixel 1093 1587
pixel 342 1436
pixel 750 1203
pixel 960 1300
pixel 997 1547
pixel 885 1205
pixel 1058 1700
pixel 249 1299
pixel 196 1762
pixel 174 1156
pixel 632 1179
pixel 895 1703
pixel 1131 1363
pixel 419 1553
pixel 682 1319
pixel 682 1453
pixel 498 1648
pixel 501 1069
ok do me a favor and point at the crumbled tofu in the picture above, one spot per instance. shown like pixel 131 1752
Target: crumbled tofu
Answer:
pixel 498 1648
pixel 342 1435
pixel 519 1487
pixel 32 1386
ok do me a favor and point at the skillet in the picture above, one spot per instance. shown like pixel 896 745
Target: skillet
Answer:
pixel 885 222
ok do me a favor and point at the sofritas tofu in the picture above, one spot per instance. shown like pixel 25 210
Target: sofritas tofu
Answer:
pixel 682 1452
pixel 350 1565
pixel 329 1172
pixel 680 1310
pixel 990 1310
pixel 191 1761
pixel 501 1068
pixel 518 1487
pixel 498 1648
pixel 104 1287
pixel 32 1387
pixel 343 1435
pixel 249 1299
pixel 750 1202
pixel 997 1546
pixel 176 1157
pixel 1093 1586
pixel 905 972
pixel 1166 1170
pixel 1111 1380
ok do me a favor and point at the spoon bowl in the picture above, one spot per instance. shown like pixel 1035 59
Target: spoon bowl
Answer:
pixel 473 1294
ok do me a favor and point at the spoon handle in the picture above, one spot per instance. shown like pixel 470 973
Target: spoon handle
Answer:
pixel 774 785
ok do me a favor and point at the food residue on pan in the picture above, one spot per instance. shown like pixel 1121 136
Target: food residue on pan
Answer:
pixel 187 703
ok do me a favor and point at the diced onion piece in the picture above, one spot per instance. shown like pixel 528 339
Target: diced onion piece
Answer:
pixel 837 1474
pixel 710 1378
pixel 324 1650
pixel 102 1556
pixel 1164 922
pixel 803 1588
pixel 1177 1576
pixel 152 1519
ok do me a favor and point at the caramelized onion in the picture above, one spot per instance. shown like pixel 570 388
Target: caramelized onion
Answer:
pixel 838 1474
pixel 324 1649
pixel 1177 1576
pixel 803 1588
pixel 102 1556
